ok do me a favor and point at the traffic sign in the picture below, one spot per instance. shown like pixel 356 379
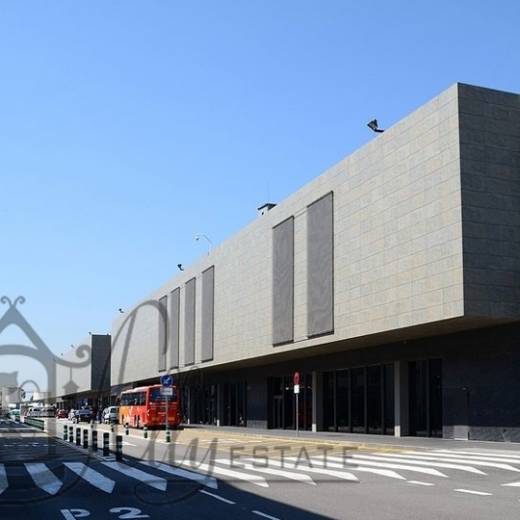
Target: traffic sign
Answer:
pixel 166 380
pixel 296 378
pixel 296 389
pixel 166 390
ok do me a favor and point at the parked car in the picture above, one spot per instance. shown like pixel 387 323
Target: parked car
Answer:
pixel 83 415
pixel 111 415
pixel 61 414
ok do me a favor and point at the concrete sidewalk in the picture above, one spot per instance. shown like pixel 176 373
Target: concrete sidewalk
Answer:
pixel 359 439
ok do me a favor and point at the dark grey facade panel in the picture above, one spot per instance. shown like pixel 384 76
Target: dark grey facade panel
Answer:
pixel 175 307
pixel 208 298
pixel 101 361
pixel 189 322
pixel 283 282
pixel 163 332
pixel 320 266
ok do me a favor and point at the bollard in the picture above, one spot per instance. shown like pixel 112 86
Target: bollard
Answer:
pixel 85 439
pixel 71 434
pixel 145 432
pixel 112 428
pixel 65 433
pixel 94 440
pixel 168 435
pixel 119 447
pixel 78 436
pixel 106 449
pixel 126 429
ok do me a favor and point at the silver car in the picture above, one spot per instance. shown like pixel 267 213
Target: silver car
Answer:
pixel 111 415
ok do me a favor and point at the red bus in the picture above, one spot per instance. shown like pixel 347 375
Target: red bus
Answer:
pixel 146 406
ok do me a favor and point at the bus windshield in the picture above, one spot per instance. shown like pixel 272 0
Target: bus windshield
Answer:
pixel 156 397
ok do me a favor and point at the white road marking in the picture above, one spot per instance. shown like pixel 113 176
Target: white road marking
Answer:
pixel 420 483
pixel 468 469
pixel 513 454
pixel 230 502
pixel 91 476
pixel 472 492
pixel 253 479
pixel 389 473
pixel 468 459
pixel 300 477
pixel 3 479
pixel 344 475
pixel 151 480
pixel 390 465
pixel 205 480
pixel 43 477
pixel 265 515
pixel 512 484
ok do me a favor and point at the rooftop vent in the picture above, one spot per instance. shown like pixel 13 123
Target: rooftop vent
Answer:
pixel 264 208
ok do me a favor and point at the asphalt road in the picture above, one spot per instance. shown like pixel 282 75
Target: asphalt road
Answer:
pixel 239 477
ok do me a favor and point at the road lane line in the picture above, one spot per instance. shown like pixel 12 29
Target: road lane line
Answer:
pixel 265 515
pixel 390 465
pixel 4 484
pixel 222 499
pixel 148 479
pixel 91 476
pixel 205 480
pixel 300 477
pixel 43 477
pixel 468 469
pixel 472 492
pixel 420 483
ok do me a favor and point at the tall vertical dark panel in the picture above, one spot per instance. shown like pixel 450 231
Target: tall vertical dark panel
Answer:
pixel 320 266
pixel 208 295
pixel 283 282
pixel 189 322
pixel 163 332
pixel 175 305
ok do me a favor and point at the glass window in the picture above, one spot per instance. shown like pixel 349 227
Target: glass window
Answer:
pixel 329 422
pixel 343 400
pixel 435 383
pixel 156 397
pixel 374 400
pixel 418 389
pixel 288 403
pixel 389 399
pixel 357 387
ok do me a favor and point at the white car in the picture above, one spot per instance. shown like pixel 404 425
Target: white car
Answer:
pixel 111 415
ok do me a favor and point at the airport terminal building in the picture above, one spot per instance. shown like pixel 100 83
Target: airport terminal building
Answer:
pixel 391 283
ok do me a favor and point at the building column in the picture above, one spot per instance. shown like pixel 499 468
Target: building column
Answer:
pixel 401 419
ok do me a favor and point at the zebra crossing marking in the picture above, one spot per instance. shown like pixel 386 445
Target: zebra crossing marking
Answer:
pixel 43 477
pixel 460 467
pixel 205 480
pixel 148 479
pixel 300 477
pixel 343 475
pixel 93 477
pixel 473 492
pixel 391 465
pixel 420 483
pixel 485 463
pixel 389 473
pixel 253 479
pixel 470 458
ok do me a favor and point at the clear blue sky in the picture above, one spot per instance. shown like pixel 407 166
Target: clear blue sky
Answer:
pixel 127 127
